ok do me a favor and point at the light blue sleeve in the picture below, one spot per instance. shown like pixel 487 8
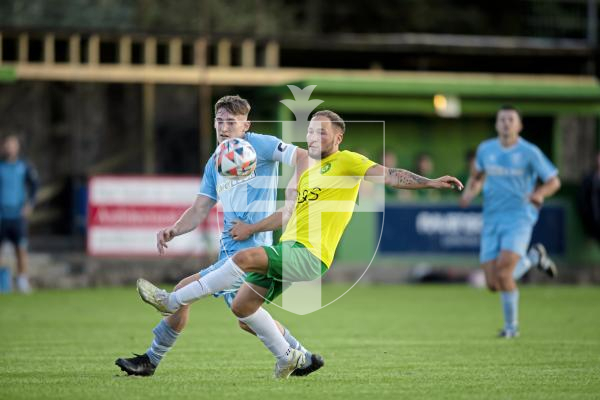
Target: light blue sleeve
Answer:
pixel 208 186
pixel 272 148
pixel 542 166
pixel 479 159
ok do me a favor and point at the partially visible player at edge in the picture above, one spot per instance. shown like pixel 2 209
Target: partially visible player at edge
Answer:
pixel 18 188
pixel 327 190
pixel 510 167
pixel 244 200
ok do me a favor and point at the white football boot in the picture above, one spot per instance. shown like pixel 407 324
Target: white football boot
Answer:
pixel 285 365
pixel 545 263
pixel 156 297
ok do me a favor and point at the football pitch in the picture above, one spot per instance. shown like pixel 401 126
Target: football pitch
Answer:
pixel 378 342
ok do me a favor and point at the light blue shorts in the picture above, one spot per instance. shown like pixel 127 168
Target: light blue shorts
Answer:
pixel 498 236
pixel 228 295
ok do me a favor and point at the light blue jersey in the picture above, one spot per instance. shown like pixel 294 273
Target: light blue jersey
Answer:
pixel 252 198
pixel 18 185
pixel 248 199
pixel 510 177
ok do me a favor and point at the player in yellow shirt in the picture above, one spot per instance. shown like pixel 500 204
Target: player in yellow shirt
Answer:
pixel 326 195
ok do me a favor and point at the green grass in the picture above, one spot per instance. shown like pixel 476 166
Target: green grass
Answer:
pixel 378 341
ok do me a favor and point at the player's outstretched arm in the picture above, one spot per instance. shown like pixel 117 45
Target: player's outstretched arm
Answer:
pixel 473 188
pixel 404 179
pixel 189 220
pixel 242 231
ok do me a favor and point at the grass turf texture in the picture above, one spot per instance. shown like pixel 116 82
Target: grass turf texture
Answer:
pixel 389 341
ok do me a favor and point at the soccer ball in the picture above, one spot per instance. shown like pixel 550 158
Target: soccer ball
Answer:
pixel 235 158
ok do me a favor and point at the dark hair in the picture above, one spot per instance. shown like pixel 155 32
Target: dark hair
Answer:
pixel 470 154
pixel 234 104
pixel 335 119
pixel 509 107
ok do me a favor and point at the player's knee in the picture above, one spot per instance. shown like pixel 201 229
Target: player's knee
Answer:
pixel 243 258
pixel 503 273
pixel 242 309
pixel 501 265
pixel 238 310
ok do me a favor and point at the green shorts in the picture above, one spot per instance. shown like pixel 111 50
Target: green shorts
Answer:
pixel 300 266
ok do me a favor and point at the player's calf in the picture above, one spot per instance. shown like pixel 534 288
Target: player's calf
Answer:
pixel 504 277
pixel 490 276
pixel 245 327
pixel 491 285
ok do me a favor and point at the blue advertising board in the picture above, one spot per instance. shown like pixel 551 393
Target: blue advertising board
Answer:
pixel 450 229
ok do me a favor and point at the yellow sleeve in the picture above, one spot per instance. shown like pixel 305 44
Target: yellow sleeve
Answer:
pixel 357 164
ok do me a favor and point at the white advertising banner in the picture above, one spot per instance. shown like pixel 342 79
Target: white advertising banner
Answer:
pixel 126 212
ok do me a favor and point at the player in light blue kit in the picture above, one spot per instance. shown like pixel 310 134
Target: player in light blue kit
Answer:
pixel 510 167
pixel 18 188
pixel 250 200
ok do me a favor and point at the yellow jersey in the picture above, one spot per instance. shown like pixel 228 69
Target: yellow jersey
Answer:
pixel 327 193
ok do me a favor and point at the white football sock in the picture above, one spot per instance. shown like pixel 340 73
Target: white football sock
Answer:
pixel 220 279
pixel 267 331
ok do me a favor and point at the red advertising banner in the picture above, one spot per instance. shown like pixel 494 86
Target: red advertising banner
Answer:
pixel 126 212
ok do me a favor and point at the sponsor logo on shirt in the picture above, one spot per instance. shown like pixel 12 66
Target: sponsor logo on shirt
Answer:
pixel 496 170
pixel 308 195
pixel 230 183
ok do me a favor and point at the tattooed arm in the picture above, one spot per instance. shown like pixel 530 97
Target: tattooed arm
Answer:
pixel 403 179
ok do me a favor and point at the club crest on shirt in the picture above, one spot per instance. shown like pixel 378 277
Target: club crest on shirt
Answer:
pixel 325 168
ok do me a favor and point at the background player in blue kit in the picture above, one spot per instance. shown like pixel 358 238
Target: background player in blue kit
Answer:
pixel 508 167
pixel 18 188
pixel 249 200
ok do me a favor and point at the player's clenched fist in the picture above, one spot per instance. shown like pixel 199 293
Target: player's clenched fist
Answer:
pixel 162 237
pixel 447 182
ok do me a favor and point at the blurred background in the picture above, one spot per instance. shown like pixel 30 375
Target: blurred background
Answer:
pixel 113 104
